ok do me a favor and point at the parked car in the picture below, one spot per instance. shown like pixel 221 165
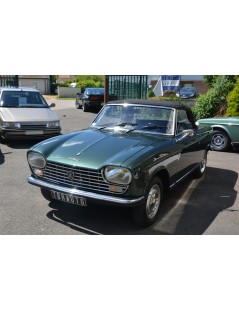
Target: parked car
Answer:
pixel 225 132
pixel 92 98
pixel 24 113
pixel 187 92
pixel 133 152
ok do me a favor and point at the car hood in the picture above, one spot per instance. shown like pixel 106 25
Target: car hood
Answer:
pixel 27 114
pixel 91 148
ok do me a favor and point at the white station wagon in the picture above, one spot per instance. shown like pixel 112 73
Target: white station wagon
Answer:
pixel 24 113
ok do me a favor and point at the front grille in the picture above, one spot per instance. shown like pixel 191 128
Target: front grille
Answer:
pixel 75 177
pixel 33 126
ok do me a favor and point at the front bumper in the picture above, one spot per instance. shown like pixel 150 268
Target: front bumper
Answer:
pixel 119 201
pixel 28 134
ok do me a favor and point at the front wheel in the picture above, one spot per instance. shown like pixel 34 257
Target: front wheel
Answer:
pixel 146 214
pixel 220 141
pixel 47 195
pixel 200 170
pixel 77 104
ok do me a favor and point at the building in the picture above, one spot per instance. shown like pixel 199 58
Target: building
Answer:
pixel 39 82
pixel 185 80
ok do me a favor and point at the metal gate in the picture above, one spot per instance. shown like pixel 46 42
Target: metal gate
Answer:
pixel 129 86
pixel 9 80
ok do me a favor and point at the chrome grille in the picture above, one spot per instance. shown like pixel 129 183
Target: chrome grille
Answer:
pixel 33 126
pixel 75 177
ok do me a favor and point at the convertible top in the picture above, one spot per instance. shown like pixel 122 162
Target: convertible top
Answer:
pixel 157 103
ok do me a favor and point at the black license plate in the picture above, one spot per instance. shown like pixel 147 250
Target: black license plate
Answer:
pixel 76 200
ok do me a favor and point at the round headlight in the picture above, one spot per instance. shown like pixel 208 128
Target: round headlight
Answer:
pixel 36 160
pixel 118 175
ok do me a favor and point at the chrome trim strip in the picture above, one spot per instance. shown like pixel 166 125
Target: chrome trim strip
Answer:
pixel 222 124
pixel 184 176
pixel 118 200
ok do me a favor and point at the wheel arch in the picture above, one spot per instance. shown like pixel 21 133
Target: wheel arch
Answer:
pixel 221 128
pixel 164 176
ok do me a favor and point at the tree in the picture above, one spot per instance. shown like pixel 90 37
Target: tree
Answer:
pixel 233 101
pixel 215 101
pixel 84 81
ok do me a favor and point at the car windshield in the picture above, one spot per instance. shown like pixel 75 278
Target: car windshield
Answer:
pixel 95 91
pixel 22 99
pixel 135 117
pixel 187 90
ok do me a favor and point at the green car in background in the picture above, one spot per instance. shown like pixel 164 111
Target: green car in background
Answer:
pixel 225 132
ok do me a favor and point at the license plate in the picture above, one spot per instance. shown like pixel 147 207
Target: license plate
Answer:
pixel 34 132
pixel 80 201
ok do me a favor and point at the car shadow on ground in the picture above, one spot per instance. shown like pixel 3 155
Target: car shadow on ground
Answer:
pixel 21 144
pixel 189 209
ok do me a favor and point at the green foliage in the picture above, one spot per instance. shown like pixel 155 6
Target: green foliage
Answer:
pixel 174 99
pixel 209 80
pixel 151 93
pixel 233 101
pixel 84 81
pixel 210 104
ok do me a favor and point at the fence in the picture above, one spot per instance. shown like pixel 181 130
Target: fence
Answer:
pixel 9 80
pixel 129 86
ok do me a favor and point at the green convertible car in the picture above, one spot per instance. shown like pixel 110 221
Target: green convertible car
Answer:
pixel 225 132
pixel 133 152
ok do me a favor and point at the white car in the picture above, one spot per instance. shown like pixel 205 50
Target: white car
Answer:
pixel 24 113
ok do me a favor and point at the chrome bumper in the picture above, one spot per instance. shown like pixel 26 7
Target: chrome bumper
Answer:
pixel 92 196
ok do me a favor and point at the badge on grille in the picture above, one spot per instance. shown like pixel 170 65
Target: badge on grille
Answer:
pixel 70 175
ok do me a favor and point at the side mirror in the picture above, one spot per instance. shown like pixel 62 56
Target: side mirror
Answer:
pixel 52 105
pixel 189 132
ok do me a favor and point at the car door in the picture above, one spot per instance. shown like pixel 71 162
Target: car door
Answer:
pixel 188 141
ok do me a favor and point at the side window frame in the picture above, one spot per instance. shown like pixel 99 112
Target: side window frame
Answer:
pixel 182 122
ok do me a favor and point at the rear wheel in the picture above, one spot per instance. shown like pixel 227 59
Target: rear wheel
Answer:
pixel 146 214
pixel 85 107
pixel 220 141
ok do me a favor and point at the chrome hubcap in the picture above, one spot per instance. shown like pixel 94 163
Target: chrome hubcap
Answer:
pixel 203 165
pixel 153 201
pixel 218 140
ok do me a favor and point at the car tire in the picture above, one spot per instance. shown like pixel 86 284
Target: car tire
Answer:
pixel 47 195
pixel 77 105
pixel 146 214
pixel 2 140
pixel 85 107
pixel 200 170
pixel 220 141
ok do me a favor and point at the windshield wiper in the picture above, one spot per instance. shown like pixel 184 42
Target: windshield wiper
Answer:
pixel 153 127
pixel 125 124
pixel 117 125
